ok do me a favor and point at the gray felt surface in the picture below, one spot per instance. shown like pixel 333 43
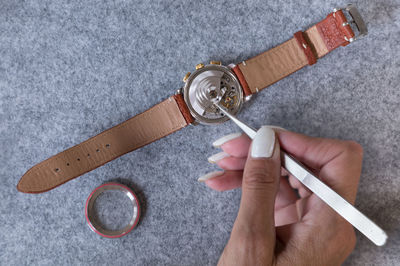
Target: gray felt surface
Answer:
pixel 71 69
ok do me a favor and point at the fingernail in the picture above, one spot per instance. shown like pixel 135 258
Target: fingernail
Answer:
pixel 263 143
pixel 218 156
pixel 226 138
pixel 210 175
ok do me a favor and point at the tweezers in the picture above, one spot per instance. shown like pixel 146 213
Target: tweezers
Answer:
pixel 325 193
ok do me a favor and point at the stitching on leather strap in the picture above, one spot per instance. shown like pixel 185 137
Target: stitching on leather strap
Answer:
pixel 347 31
pixel 305 47
pixel 183 108
pixel 331 32
pixel 242 81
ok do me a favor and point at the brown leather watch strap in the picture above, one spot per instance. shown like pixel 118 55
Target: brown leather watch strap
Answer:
pixel 153 124
pixel 303 49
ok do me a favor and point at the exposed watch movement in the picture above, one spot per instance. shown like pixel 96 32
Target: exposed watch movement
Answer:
pixel 208 84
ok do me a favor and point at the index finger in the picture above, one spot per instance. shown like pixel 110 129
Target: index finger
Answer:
pixel 339 161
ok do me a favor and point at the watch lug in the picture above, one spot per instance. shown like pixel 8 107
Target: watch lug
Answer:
pixel 179 91
pixel 195 123
pixel 248 98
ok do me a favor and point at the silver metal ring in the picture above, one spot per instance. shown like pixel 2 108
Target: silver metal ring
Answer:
pixel 89 210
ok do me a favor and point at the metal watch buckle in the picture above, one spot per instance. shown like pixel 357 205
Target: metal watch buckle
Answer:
pixel 356 20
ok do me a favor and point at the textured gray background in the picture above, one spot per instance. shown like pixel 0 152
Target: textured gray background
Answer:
pixel 69 70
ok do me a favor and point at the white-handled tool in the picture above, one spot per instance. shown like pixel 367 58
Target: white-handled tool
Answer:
pixel 325 193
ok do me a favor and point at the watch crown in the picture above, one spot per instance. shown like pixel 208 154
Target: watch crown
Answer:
pixel 215 62
pixel 186 76
pixel 198 66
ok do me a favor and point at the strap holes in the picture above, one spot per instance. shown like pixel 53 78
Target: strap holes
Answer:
pixel 67 164
pixel 57 169
pixel 97 150
pixel 78 159
pixel 107 145
pixel 88 155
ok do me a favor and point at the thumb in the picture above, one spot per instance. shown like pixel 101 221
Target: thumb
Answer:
pixel 260 184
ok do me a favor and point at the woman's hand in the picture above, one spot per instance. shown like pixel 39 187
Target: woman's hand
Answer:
pixel 274 225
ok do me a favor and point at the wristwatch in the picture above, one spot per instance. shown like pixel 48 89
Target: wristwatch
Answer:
pixel 229 85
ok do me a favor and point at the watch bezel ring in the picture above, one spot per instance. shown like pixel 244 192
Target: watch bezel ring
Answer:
pixel 90 212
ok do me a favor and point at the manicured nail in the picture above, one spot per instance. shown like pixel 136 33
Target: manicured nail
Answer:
pixel 226 138
pixel 210 175
pixel 263 143
pixel 218 156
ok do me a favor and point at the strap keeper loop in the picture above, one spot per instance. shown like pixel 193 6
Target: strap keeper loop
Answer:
pixel 305 47
pixel 242 80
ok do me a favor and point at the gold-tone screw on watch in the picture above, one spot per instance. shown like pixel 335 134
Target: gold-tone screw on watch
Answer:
pixel 186 76
pixel 215 62
pixel 200 65
pixel 230 85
